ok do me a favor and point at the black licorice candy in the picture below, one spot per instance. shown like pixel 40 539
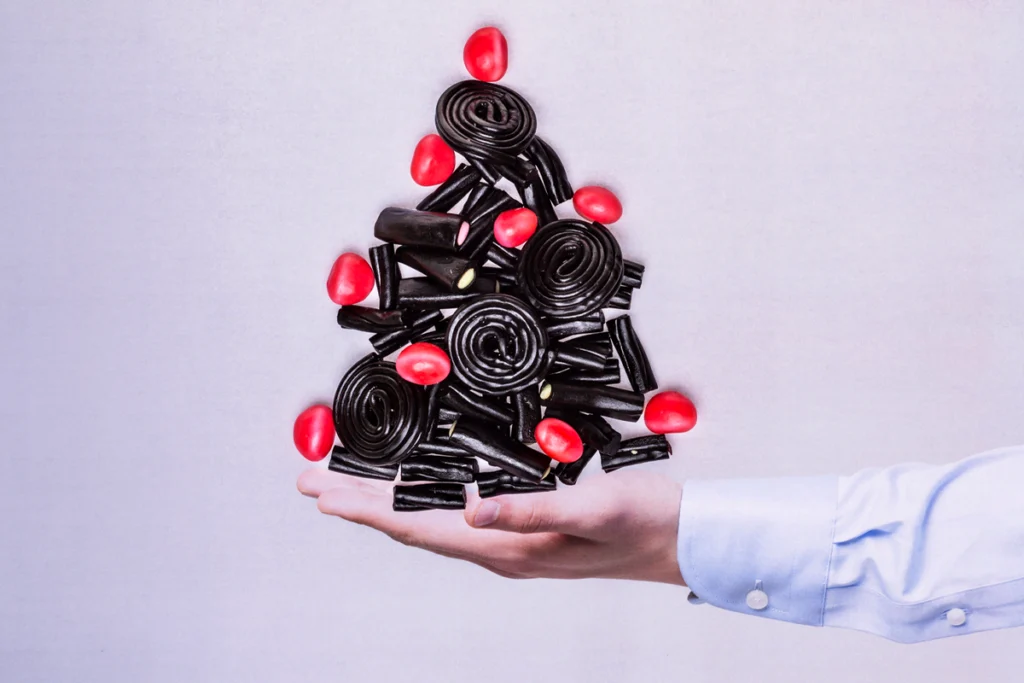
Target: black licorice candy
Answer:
pixel 623 298
pixel 366 319
pixel 561 327
pixel 500 483
pixel 610 374
pixel 526 406
pixel 447 415
pixel 506 280
pixel 448 193
pixel 385 343
pixel 593 429
pixel 420 293
pixel 632 274
pixel 634 358
pixel 569 472
pixel 433 496
pixel 535 197
pixel 439 468
pixel 499 450
pixel 601 400
pixel 551 170
pixel 473 199
pixel 343 462
pixel 638 450
pixel 448 270
pixel 584 359
pixel 505 258
pixel 386 275
pixel 465 402
pixel 599 343
pixel 443 231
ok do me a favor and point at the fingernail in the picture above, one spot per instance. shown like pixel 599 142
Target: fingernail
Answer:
pixel 487 513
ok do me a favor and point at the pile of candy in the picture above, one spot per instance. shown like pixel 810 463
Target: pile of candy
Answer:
pixel 528 334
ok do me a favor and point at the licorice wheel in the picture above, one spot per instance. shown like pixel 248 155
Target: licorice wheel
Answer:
pixel 486 122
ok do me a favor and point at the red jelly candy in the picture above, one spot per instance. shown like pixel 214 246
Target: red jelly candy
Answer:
pixel 597 204
pixel 350 281
pixel 486 55
pixel 670 413
pixel 423 363
pixel 314 432
pixel 515 226
pixel 432 161
pixel 558 440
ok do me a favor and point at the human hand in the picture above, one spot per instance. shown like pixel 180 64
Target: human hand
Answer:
pixel 620 526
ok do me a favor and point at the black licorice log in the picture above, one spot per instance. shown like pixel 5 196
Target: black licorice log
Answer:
pixel 447 415
pixel 439 496
pixel 499 450
pixel 570 268
pixel 632 274
pixel 378 415
pixel 419 293
pixel 623 298
pixel 481 227
pixel 474 199
pixel 386 275
pixel 469 404
pixel 591 322
pixel 448 270
pixel 505 258
pixel 569 472
pixel 505 279
pixel 536 198
pixel 608 401
pixel 450 191
pixel 485 122
pixel 499 483
pixel 439 468
pixel 593 429
pixel 496 345
pixel 437 446
pixel 638 450
pixel 565 354
pixel 526 406
pixel 599 343
pixel 392 340
pixel 343 462
pixel 366 319
pixel 551 170
pixel 634 358
pixel 443 231
pixel 608 375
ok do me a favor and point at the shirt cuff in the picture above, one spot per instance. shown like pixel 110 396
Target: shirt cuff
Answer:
pixel 759 546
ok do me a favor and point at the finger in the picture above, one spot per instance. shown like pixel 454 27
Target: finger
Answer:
pixel 315 482
pixel 567 511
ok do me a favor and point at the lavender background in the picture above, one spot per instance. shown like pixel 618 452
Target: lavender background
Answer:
pixel 828 198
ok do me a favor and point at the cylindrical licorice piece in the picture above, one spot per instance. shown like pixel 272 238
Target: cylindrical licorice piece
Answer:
pixel 450 191
pixel 476 195
pixel 499 450
pixel 593 429
pixel 608 375
pixel 536 198
pixel 433 406
pixel 433 336
pixel 448 270
pixel 419 293
pixel 392 340
pixel 342 461
pixel 439 468
pixel 623 298
pixel 447 416
pixel 562 327
pixel 632 274
pixel 608 401
pixel 481 230
pixel 386 274
pixel 471 404
pixel 551 170
pixel 505 279
pixel 634 358
pixel 577 358
pixel 485 122
pixel 488 172
pixel 634 451
pixel 368 319
pixel 438 496
pixel 526 406
pixel 598 343
pixel 569 472
pixel 505 258
pixel 443 231
pixel 499 483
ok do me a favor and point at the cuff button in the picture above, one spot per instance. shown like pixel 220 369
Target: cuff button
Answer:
pixel 757 600
pixel 956 617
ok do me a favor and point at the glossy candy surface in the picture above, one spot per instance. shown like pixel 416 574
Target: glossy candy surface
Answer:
pixel 422 363
pixel 598 204
pixel 512 228
pixel 670 413
pixel 350 281
pixel 433 161
pixel 486 54
pixel 314 432
pixel 558 440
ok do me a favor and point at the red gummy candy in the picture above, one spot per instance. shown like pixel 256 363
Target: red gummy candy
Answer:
pixel 314 432
pixel 514 227
pixel 486 55
pixel 432 161
pixel 350 281
pixel 670 413
pixel 423 363
pixel 597 204
pixel 558 440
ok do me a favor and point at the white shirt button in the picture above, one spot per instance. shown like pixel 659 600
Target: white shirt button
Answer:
pixel 757 599
pixel 956 617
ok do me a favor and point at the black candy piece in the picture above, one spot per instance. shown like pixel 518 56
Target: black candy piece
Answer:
pixel 638 450
pixel 535 197
pixel 473 199
pixel 438 496
pixel 601 400
pixel 623 298
pixel 420 228
pixel 593 429
pixel 567 327
pixel 608 375
pixel 386 275
pixel 486 408
pixel 505 258
pixel 526 406
pixel 634 358
pixel 448 270
pixel 569 472
pixel 505 279
pixel 387 342
pixel 599 343
pixel 447 415
pixel 342 461
pixel 499 450
pixel 485 122
pixel 499 483
pixel 632 274
pixel 448 193
pixel 366 319
pixel 565 354
pixel 439 468
pixel 551 170
pixel 419 293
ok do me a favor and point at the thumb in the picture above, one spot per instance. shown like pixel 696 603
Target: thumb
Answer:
pixel 528 513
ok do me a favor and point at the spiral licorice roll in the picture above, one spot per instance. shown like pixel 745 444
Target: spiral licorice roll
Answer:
pixel 497 345
pixel 570 268
pixel 379 416
pixel 486 122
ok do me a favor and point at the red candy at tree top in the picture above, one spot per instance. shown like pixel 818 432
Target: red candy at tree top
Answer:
pixel 350 281
pixel 597 203
pixel 423 363
pixel 670 413
pixel 432 161
pixel 314 432
pixel 486 55
pixel 514 227
pixel 558 440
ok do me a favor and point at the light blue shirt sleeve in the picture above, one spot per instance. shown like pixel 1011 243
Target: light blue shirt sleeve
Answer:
pixel 910 553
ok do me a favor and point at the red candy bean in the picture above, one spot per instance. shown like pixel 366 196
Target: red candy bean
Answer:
pixel 314 432
pixel 558 440
pixel 486 55
pixel 514 227
pixel 670 413
pixel 432 161
pixel 597 203
pixel 423 363
pixel 350 281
